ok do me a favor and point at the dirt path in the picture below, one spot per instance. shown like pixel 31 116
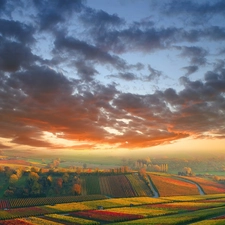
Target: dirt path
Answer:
pixel 201 192
pixel 154 190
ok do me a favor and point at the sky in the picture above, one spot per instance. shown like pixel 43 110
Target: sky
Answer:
pixel 121 75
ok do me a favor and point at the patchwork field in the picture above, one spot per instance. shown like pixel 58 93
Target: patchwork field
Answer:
pixel 170 186
pixel 135 210
pixel 208 186
pixel 120 199
pixel 129 185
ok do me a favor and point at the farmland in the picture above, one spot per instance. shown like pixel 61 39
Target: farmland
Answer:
pixel 117 196
pixel 134 210
pixel 169 186
pixel 208 186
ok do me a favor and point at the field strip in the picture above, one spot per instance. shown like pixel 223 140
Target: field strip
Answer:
pixel 201 192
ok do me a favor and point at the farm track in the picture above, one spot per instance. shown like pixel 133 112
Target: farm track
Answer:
pixel 201 192
pixel 153 188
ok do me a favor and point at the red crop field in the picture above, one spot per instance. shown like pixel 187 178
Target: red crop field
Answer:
pixel 14 161
pixel 106 215
pixel 4 204
pixel 209 186
pixel 168 186
pixel 15 222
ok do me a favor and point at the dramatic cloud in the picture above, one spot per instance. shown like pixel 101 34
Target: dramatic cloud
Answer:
pixel 14 55
pixel 19 31
pixel 195 54
pixel 57 12
pixel 79 75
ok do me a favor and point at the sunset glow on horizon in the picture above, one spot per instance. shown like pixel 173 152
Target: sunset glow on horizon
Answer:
pixel 117 76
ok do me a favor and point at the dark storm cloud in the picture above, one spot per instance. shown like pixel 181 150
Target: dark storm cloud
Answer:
pixel 85 71
pixel 215 81
pixel 158 118
pixel 136 39
pixel 214 33
pixel 100 19
pixel 14 29
pixel 125 76
pixel 41 83
pixel 55 12
pixel 152 39
pixel 14 55
pixel 196 55
pixel 190 69
pixel 196 109
pixel 53 106
pixel 72 46
pixel 2 4
pixel 194 7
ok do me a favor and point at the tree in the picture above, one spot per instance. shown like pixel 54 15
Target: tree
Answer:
pixel 19 172
pixel 1 169
pixel 76 189
pixel 65 177
pixel 34 169
pixel 13 179
pixel 49 180
pixel 142 172
pixel 187 171
pixel 36 188
pixel 33 176
pixel 8 193
pixel 59 182
pixel 56 163
pixel 8 171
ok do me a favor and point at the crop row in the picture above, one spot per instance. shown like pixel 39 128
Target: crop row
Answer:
pixel 121 187
pixel 24 212
pixel 186 218
pixel 139 185
pixel 4 204
pixel 143 211
pixel 41 221
pixel 209 186
pixel 71 219
pixel 92 185
pixel 168 186
pixel 105 186
pixel 74 206
pixel 17 222
pixel 118 209
pixel 115 186
pixel 106 215
pixel 25 202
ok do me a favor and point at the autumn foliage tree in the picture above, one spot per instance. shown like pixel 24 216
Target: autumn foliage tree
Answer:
pixel 13 179
pixel 76 189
